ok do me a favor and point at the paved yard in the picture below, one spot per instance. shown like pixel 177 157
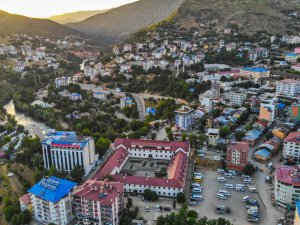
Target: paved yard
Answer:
pixel 238 216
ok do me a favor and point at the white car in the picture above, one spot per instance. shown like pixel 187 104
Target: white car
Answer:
pixel 245 198
pixel 222 179
pixel 223 192
pixel 229 186
pixel 220 171
pixel 221 196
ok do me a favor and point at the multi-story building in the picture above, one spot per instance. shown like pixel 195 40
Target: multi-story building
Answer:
pixel 184 117
pixel 288 87
pixel 295 112
pixel 51 200
pixel 126 102
pixel 268 110
pixel 99 202
pixel 291 148
pixel 99 95
pixel 291 57
pixel 237 98
pixel 237 155
pixel 255 73
pixel 213 136
pixel 287 186
pixel 62 81
pixel 65 150
pixel 173 182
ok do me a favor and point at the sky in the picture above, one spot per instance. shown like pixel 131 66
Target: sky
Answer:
pixel 46 8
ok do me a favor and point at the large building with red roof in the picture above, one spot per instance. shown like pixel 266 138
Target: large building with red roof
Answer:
pixel 176 153
pixel 237 155
pixel 99 202
pixel 287 186
pixel 291 149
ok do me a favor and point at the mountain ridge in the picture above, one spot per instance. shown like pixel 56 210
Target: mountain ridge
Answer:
pixel 126 19
pixel 75 17
pixel 14 23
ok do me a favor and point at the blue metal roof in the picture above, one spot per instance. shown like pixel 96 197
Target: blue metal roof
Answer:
pixel 263 153
pixel 255 69
pixel 292 54
pixel 298 208
pixel 52 189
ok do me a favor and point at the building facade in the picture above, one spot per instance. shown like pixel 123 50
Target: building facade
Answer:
pixel 184 118
pixel 237 155
pixel 237 98
pixel 62 81
pixel 213 136
pixel 254 73
pixel 291 148
pixel 65 150
pixel 288 87
pixel 126 102
pixel 51 201
pixel 287 186
pixel 99 202
pixel 175 152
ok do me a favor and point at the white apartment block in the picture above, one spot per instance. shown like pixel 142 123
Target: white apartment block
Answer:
pixel 62 81
pixel 213 136
pixel 65 150
pixel 288 87
pixel 51 201
pixel 237 98
pixel 291 149
pixel 287 186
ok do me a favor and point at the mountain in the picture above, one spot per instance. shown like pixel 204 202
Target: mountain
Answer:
pixel 75 17
pixel 273 16
pixel 126 19
pixel 17 24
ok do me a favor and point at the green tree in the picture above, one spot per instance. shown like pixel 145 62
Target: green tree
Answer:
pixel 102 144
pixel 183 136
pixel 201 139
pixel 170 136
pixel 150 195
pixel 192 213
pixel 52 171
pixel 181 197
pixel 239 135
pixel 249 169
pixel 77 173
pixel 224 131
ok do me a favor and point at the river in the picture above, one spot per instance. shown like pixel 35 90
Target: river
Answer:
pixel 31 125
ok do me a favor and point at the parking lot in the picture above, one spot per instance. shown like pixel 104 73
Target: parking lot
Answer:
pixel 238 214
pixel 207 207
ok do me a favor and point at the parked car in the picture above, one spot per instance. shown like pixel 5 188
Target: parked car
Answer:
pixel 229 186
pixel 220 171
pixel 245 198
pixel 222 179
pixel 221 196
pixel 147 209
pixel 226 193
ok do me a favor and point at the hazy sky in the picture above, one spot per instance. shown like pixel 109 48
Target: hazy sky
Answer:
pixel 45 8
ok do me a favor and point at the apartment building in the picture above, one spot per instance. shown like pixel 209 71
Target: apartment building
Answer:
pixel 287 186
pixel 237 98
pixel 291 148
pixel 237 155
pixel 62 81
pixel 184 117
pixel 288 87
pixel 213 136
pixel 51 200
pixel 65 150
pixel 99 202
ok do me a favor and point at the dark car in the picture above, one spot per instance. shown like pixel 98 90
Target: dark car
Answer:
pixel 167 209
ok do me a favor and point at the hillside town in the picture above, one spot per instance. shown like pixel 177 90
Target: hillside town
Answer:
pixel 169 122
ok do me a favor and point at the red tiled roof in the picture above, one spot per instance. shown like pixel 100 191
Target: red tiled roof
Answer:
pixel 173 145
pixel 293 137
pixel 288 175
pixel 176 170
pixel 25 199
pixel 240 146
pixel 92 189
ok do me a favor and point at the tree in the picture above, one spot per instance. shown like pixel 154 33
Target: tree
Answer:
pixel 249 169
pixel 224 131
pixel 201 139
pixel 129 203
pixel 239 135
pixel 77 173
pixel 192 213
pixel 193 140
pixel 102 144
pixel 170 136
pixel 181 197
pixel 150 195
pixel 174 204
pixel 183 136
pixel 52 171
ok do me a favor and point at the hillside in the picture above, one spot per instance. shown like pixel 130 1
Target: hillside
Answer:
pixel 126 19
pixel 76 17
pixel 12 23
pixel 250 15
